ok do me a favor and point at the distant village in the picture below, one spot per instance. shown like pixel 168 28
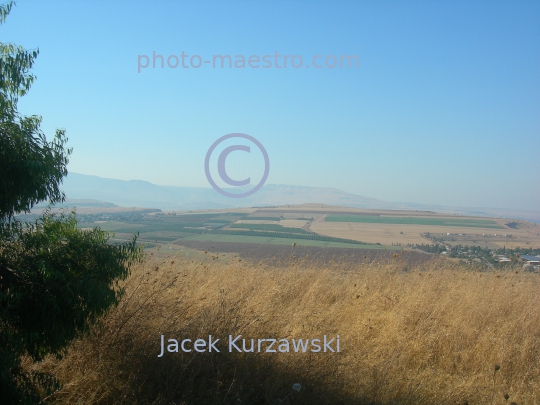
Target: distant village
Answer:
pixel 527 258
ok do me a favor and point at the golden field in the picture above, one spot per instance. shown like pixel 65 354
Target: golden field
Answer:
pixel 438 334
pixel 526 235
pixel 385 234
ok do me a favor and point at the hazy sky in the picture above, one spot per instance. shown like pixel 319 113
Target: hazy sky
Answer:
pixel 444 107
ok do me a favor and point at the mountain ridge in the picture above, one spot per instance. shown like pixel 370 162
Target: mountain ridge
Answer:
pixel 141 193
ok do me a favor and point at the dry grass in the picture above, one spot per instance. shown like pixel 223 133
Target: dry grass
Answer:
pixel 438 335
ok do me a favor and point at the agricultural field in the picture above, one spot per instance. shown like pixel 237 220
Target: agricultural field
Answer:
pixel 410 228
pixel 221 226
pixel 288 223
pixel 269 227
pixel 318 226
pixel 384 234
pixel 279 240
pixel 416 234
pixel 403 220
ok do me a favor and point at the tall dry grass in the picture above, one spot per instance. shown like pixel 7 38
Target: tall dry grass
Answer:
pixel 438 334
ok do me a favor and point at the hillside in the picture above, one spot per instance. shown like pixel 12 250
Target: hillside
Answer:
pixel 138 193
pixel 436 333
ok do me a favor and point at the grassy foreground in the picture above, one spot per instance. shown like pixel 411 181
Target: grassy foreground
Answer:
pixel 442 334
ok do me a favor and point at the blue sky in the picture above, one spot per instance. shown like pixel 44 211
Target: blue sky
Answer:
pixel 443 108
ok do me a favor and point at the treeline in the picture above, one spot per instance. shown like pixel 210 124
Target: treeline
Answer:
pixel 518 250
pixel 433 248
pixel 476 250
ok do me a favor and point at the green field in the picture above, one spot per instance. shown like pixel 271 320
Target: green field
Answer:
pixel 270 228
pixel 170 228
pixel 163 239
pixel 372 219
pixel 287 235
pixel 262 218
pixel 208 226
pixel 113 226
pixel 281 241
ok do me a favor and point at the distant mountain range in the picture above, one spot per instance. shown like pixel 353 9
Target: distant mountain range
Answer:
pixel 138 193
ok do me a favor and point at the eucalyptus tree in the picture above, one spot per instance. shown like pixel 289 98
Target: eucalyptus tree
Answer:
pixel 55 280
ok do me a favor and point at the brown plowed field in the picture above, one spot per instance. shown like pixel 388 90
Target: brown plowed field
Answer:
pixel 276 253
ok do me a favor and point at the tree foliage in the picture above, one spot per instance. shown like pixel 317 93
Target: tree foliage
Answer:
pixel 31 167
pixel 55 279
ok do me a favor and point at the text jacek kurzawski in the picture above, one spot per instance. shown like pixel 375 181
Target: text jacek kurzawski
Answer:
pixel 239 345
